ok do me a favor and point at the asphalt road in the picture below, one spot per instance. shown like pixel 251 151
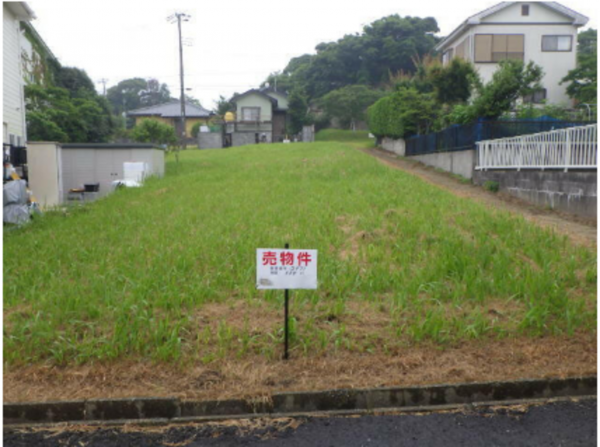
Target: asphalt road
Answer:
pixel 554 424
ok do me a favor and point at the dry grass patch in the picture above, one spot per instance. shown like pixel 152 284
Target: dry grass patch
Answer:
pixel 507 359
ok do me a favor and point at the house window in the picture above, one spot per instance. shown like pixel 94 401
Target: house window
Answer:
pixel 538 97
pixel 499 47
pixel 250 113
pixel 557 43
pixel 524 10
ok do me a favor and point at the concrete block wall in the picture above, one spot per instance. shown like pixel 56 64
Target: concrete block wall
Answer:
pixel 210 140
pixel 244 138
pixel 572 192
pixel 398 147
pixel 460 162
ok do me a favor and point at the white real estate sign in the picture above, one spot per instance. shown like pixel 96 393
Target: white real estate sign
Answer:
pixel 282 268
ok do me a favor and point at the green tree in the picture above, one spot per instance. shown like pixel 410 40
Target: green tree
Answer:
pixel 297 110
pixel 583 80
pixel 454 82
pixel 135 93
pixel 513 79
pixel 53 114
pixel 385 47
pixel 152 131
pixel 76 81
pixel 350 103
pixel 223 106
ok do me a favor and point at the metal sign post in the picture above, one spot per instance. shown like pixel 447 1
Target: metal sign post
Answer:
pixel 286 269
pixel 286 323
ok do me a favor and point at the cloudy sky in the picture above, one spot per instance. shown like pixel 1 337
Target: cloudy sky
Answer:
pixel 233 45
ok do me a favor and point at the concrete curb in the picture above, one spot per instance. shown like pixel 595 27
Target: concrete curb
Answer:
pixel 351 400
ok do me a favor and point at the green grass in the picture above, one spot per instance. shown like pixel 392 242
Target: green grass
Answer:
pixel 340 135
pixel 134 275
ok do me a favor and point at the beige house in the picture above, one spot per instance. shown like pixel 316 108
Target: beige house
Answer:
pixel 261 116
pixel 542 32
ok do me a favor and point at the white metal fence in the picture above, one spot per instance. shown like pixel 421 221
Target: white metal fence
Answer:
pixel 571 148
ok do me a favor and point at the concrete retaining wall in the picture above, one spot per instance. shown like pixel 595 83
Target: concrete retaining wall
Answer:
pixel 460 162
pixel 572 192
pixel 210 140
pixel 244 138
pixel 396 146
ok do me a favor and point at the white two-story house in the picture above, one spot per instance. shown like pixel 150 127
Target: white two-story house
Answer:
pixel 13 101
pixel 542 32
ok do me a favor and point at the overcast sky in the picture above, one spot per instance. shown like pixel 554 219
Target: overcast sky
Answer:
pixel 234 44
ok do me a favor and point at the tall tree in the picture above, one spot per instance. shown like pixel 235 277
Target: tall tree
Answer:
pixel 385 47
pixel 54 115
pixel 75 80
pixel 134 93
pixel 350 103
pixel 297 110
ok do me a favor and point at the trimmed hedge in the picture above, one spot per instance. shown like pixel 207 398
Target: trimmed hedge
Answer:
pixel 403 113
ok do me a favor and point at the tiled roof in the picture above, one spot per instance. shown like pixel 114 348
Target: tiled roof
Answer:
pixel 171 109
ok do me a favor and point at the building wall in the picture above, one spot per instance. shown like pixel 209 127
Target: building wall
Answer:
pixel 537 14
pixel 282 100
pixel 189 123
pixel 556 65
pixel 255 100
pixel 13 102
pixel 540 21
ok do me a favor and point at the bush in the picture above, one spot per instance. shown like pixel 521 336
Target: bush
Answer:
pixel 404 113
pixel 152 131
pixel 196 129
pixel 491 186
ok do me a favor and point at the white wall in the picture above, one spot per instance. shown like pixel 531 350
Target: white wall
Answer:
pixel 12 83
pixel 556 65
pixel 44 164
pixel 540 21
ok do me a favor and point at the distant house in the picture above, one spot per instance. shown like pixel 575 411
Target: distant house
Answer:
pixel 170 113
pixel 542 32
pixel 261 117
pixel 13 98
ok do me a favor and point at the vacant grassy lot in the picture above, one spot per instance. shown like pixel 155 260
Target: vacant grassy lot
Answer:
pixel 166 272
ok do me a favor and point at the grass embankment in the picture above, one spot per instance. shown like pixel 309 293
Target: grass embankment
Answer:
pixel 167 272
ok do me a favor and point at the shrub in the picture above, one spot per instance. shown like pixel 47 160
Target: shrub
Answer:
pixel 152 131
pixel 196 129
pixel 491 186
pixel 404 113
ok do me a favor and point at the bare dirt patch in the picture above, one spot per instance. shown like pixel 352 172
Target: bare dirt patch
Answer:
pixel 252 377
pixel 579 230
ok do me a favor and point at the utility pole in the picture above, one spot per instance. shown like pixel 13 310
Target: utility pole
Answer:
pixel 179 16
pixel 103 81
